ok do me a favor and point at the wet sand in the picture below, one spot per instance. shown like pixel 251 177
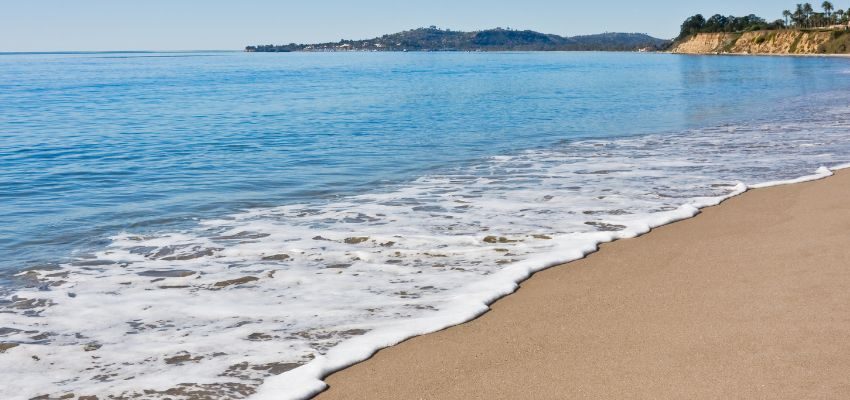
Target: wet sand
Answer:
pixel 749 300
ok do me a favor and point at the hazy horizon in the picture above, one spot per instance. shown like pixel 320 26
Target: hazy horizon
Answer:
pixel 104 25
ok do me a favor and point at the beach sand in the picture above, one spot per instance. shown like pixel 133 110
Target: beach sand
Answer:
pixel 749 300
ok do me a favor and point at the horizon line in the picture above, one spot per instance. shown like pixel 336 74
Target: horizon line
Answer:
pixel 119 51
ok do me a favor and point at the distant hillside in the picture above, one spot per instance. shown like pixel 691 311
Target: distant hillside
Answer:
pixel 434 39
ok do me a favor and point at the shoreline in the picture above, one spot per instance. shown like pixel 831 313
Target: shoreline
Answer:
pixel 827 55
pixel 811 55
pixel 370 379
pixel 314 284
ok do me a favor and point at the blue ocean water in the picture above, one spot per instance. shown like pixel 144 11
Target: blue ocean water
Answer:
pixel 93 144
pixel 254 213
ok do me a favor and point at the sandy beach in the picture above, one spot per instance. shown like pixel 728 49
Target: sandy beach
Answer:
pixel 748 300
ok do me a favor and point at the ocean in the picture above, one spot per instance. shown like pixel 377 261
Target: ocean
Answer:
pixel 242 224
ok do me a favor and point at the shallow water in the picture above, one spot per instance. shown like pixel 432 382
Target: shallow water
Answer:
pixel 227 217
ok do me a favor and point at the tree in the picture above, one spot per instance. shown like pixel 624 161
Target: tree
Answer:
pixel 803 16
pixel 839 15
pixel 717 23
pixel 807 11
pixel 827 9
pixel 799 16
pixel 692 25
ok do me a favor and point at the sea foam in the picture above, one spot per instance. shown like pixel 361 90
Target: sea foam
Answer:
pixel 269 301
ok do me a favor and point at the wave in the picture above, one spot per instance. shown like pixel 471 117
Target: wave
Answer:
pixel 306 382
pixel 268 301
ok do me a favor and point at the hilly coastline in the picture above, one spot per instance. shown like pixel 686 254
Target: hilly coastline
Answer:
pixel 499 39
pixel 801 32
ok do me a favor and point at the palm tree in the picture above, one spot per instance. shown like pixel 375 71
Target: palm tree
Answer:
pixel 799 16
pixel 808 10
pixel 827 8
pixel 787 14
pixel 839 15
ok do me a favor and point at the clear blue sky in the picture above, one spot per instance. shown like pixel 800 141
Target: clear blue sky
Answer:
pixel 49 25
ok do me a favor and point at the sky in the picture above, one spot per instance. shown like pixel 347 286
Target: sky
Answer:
pixel 92 25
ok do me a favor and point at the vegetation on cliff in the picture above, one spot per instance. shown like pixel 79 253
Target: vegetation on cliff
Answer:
pixel 804 17
pixel 803 31
pixel 435 39
pixel 785 41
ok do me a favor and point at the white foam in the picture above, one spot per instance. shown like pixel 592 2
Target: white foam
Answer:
pixel 337 280
pixel 307 382
pixel 822 172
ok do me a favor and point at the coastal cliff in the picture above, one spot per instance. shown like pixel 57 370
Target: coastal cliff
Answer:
pixel 766 42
